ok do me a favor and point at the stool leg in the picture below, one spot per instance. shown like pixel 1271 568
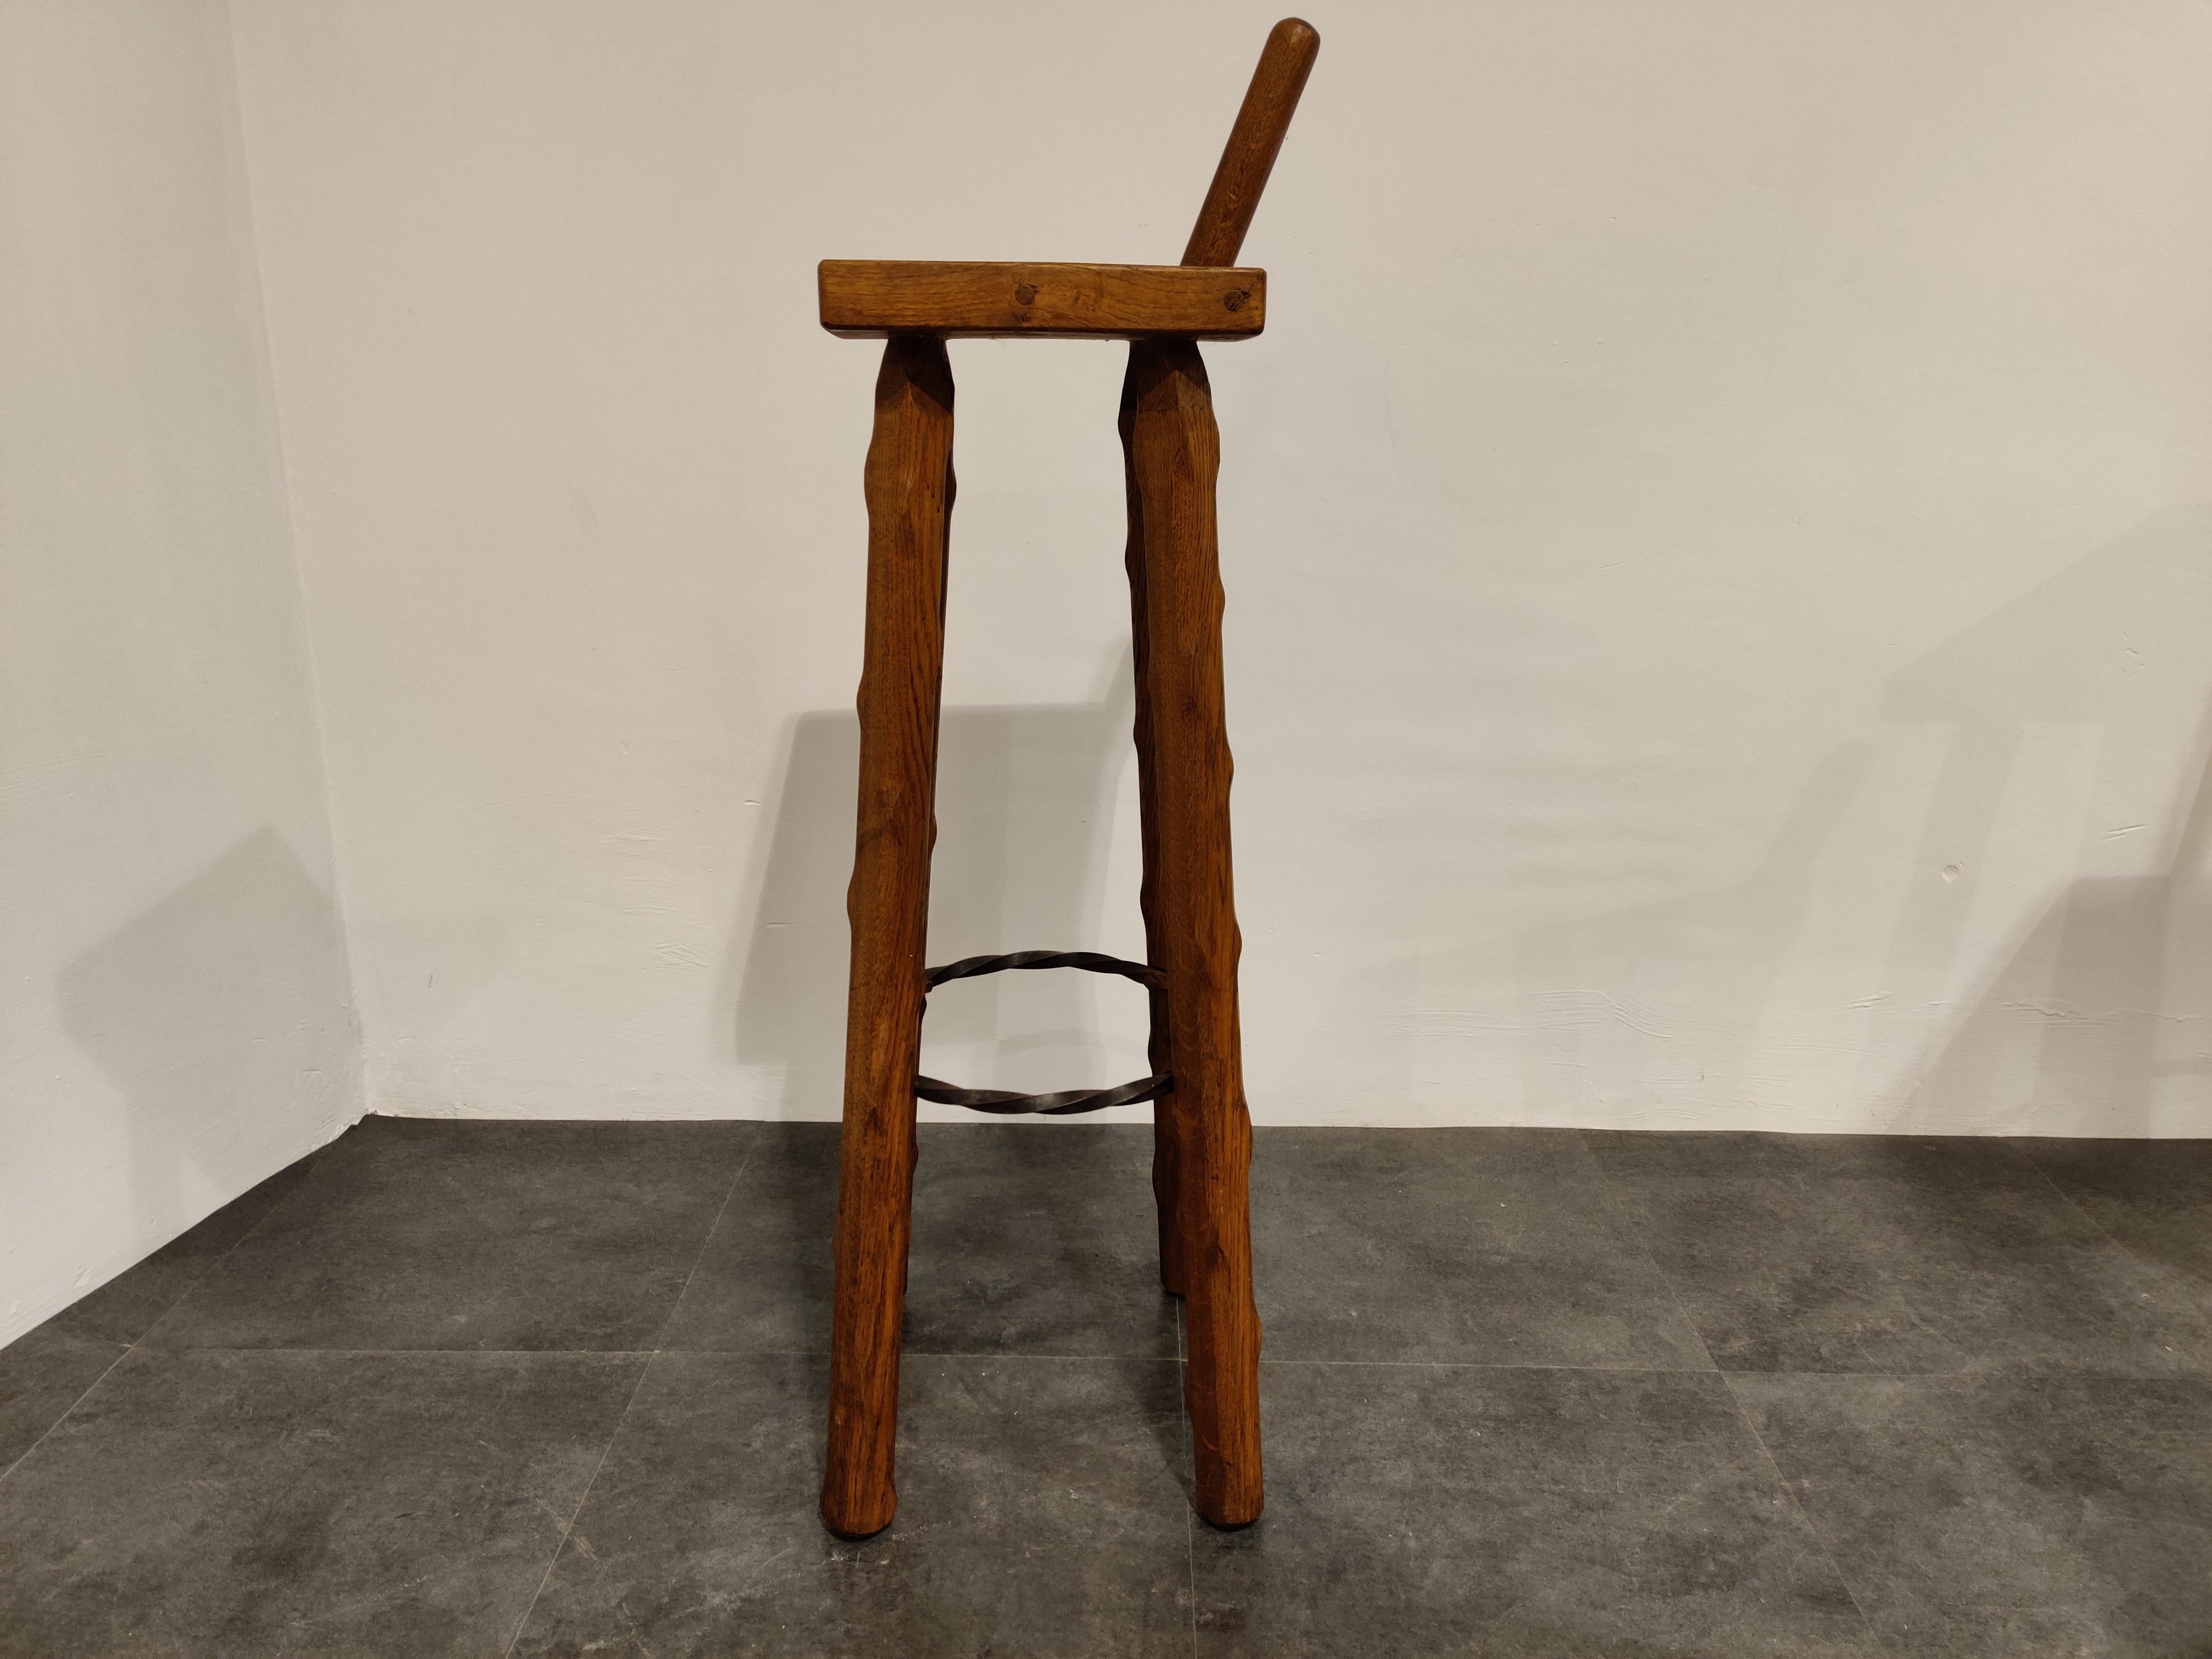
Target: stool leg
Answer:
pixel 909 493
pixel 1175 453
pixel 1159 1050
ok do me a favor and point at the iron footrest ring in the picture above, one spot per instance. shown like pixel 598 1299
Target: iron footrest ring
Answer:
pixel 1063 1104
pixel 1066 1102
pixel 1090 962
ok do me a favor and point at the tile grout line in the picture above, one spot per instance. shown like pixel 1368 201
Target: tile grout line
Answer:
pixel 1638 1222
pixel 996 1357
pixel 1508 1365
pixel 132 1346
pixel 1009 1355
pixel 1642 1235
pixel 614 1433
pixel 1639 1229
pixel 2127 1250
pixel 1675 1295
pixel 705 1243
pixel 64 1417
pixel 1190 1547
pixel 2065 1198
pixel 260 1221
pixel 1811 1530
pixel 1190 1452
pixel 993 1355
pixel 562 1543
pixel 435 1354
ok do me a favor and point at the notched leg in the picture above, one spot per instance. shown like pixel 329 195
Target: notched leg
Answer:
pixel 1174 455
pixel 1166 1131
pixel 908 482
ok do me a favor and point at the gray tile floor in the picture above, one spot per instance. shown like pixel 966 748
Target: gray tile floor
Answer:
pixel 557 1389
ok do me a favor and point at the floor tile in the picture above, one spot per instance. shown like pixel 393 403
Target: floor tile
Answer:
pixel 2006 1516
pixel 763 1282
pixel 1042 1512
pixel 1821 1253
pixel 1027 1239
pixel 1417 1510
pixel 228 1504
pixel 1583 1484
pixel 1475 1246
pixel 125 1309
pixel 2154 1196
pixel 411 1233
pixel 42 1374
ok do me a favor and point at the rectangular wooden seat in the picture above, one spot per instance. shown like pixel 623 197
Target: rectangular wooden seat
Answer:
pixel 875 299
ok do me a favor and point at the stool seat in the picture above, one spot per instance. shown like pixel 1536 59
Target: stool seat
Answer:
pixel 956 299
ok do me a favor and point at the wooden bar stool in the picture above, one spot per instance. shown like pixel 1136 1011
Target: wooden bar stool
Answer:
pixel 1202 1134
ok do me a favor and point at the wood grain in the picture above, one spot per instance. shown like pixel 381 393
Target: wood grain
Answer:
pixel 1160 1048
pixel 1175 453
pixel 1269 102
pixel 871 299
pixel 909 488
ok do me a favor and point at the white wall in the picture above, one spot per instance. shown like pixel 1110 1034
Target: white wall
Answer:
pixel 1719 535
pixel 175 1023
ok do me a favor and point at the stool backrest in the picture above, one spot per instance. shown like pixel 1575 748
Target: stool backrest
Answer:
pixel 1269 103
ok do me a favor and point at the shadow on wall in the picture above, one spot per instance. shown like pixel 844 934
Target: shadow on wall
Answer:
pixel 1679 984
pixel 1992 913
pixel 2099 1016
pixel 228 995
pixel 2074 751
pixel 1025 807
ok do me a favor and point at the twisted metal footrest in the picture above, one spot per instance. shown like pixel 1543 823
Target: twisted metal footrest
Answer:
pixel 1066 1102
pixel 1089 960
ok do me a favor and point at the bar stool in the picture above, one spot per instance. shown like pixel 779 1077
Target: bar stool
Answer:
pixel 1202 1134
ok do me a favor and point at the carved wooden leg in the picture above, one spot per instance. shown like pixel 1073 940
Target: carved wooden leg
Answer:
pixel 909 492
pixel 1175 453
pixel 1165 1139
